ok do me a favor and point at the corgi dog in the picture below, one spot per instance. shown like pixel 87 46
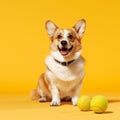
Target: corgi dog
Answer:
pixel 62 79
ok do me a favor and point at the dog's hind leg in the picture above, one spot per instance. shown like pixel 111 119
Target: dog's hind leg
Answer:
pixel 43 89
pixel 34 94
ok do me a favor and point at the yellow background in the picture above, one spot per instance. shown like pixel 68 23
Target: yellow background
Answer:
pixel 24 43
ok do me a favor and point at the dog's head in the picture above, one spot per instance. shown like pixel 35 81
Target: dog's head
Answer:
pixel 66 43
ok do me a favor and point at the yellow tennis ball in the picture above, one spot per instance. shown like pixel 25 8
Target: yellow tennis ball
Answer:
pixel 84 103
pixel 99 104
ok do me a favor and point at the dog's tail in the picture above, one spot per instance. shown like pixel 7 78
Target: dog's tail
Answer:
pixel 34 94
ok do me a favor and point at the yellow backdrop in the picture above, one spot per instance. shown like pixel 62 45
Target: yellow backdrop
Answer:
pixel 24 43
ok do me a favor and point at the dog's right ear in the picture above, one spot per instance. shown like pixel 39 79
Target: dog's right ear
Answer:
pixel 50 27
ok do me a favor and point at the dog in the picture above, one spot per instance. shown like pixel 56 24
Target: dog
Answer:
pixel 62 79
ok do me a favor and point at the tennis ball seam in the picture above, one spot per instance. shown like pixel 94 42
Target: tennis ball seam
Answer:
pixel 84 102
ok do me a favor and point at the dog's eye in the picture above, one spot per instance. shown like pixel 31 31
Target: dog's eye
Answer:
pixel 59 36
pixel 70 36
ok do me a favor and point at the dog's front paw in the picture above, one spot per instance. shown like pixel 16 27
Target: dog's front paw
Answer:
pixel 55 103
pixel 74 101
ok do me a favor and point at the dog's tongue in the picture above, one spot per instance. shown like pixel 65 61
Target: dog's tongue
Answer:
pixel 64 51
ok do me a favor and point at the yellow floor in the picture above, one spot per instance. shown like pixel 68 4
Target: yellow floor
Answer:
pixel 20 107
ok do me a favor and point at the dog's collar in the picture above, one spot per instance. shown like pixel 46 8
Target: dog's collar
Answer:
pixel 64 63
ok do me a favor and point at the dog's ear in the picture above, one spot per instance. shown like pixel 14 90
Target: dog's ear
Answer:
pixel 79 27
pixel 50 27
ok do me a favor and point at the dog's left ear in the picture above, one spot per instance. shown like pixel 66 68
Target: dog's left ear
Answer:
pixel 80 27
pixel 50 27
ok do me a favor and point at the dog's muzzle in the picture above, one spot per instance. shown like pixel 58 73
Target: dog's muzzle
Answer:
pixel 64 50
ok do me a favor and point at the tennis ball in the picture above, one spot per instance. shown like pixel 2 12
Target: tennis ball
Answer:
pixel 84 103
pixel 99 104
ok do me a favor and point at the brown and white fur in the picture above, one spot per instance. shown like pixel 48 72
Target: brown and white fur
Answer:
pixel 61 81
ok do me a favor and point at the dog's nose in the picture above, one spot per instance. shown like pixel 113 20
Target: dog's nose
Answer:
pixel 64 42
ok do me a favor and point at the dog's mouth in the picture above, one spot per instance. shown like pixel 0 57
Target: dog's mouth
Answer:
pixel 64 51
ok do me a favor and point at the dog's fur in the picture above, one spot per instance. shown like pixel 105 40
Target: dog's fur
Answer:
pixel 62 80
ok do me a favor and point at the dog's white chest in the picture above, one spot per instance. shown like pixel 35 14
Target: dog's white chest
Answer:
pixel 66 73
